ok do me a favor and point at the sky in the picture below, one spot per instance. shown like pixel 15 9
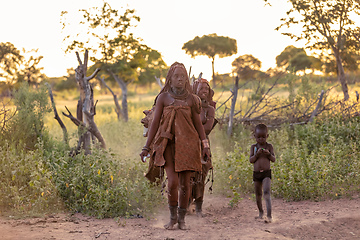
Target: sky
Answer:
pixel 165 26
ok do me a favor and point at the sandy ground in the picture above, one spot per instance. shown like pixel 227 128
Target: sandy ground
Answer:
pixel 336 219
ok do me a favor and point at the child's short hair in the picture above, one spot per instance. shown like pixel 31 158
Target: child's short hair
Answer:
pixel 261 126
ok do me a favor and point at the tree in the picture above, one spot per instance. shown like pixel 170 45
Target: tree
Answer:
pixel 115 50
pixel 246 66
pixel 18 66
pixel 67 82
pixel 151 64
pixel 327 24
pixel 295 59
pixel 30 70
pixel 10 60
pixel 211 45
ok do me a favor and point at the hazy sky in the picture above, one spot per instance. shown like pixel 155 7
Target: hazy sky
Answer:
pixel 165 26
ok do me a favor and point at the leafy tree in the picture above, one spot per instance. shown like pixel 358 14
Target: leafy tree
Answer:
pixel 246 66
pixel 27 127
pixel 295 59
pixel 327 24
pixel 151 64
pixel 211 45
pixel 10 60
pixel 115 50
pixel 18 66
pixel 30 71
pixel 68 83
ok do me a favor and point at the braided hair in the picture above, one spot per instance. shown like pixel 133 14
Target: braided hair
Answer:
pixel 170 73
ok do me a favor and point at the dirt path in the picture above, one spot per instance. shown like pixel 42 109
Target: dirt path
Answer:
pixel 338 219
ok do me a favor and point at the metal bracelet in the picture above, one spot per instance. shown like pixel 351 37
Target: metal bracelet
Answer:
pixel 146 148
pixel 205 143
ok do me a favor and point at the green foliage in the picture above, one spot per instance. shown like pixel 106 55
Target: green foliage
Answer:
pixel 247 67
pixel 10 60
pixel 314 161
pixel 25 183
pixel 103 185
pixel 27 126
pixel 211 45
pixel 234 172
pixel 68 83
pixel 320 162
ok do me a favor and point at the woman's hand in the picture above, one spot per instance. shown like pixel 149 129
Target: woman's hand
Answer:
pixel 206 154
pixel 144 154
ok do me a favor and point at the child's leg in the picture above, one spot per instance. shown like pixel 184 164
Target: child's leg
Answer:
pixel 258 194
pixel 267 197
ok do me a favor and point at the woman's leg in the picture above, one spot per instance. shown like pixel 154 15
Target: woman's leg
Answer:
pixel 173 182
pixel 184 179
pixel 185 188
pixel 173 178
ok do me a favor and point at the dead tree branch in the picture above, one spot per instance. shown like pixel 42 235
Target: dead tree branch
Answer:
pixel 57 117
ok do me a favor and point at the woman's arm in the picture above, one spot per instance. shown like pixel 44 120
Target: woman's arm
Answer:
pixel 154 126
pixel 200 129
pixel 209 120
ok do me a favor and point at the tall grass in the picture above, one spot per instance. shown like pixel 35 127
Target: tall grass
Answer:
pixel 314 161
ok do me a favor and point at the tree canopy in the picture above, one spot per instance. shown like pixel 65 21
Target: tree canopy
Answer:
pixel 295 59
pixel 115 48
pixel 10 60
pixel 246 66
pixel 17 66
pixel 326 25
pixel 210 46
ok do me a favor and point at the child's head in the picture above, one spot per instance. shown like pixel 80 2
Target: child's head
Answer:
pixel 261 133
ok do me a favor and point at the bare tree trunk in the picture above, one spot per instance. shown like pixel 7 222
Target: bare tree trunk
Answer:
pixel 232 109
pixel 213 71
pixel 341 74
pixel 124 91
pixel 116 101
pixel 87 100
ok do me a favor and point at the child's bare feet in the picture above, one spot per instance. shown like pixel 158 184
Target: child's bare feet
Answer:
pixel 268 220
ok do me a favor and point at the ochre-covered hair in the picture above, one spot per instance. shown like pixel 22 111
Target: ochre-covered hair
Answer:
pixel 211 92
pixel 171 71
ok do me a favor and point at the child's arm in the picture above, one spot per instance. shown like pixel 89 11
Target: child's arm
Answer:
pixel 253 154
pixel 270 153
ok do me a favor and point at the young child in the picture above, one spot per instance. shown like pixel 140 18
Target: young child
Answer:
pixel 261 154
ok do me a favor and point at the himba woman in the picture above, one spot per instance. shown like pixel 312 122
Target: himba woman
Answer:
pixel 176 131
pixel 201 88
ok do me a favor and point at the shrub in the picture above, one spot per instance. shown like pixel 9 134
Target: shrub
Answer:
pixel 103 185
pixel 25 183
pixel 314 161
pixel 26 128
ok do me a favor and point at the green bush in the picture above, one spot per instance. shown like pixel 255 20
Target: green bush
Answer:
pixel 25 183
pixel 26 128
pixel 314 161
pixel 103 185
